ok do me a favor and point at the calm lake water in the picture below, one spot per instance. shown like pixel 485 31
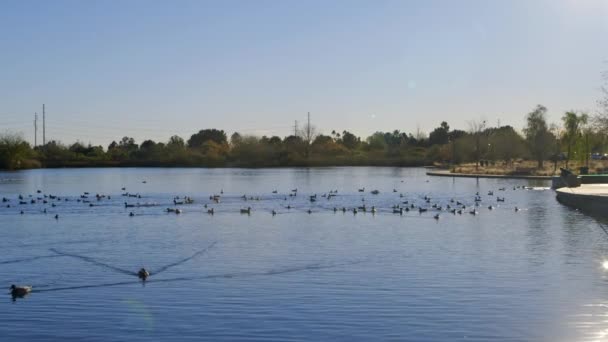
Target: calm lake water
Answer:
pixel 530 275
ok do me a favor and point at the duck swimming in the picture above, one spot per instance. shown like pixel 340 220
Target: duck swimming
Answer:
pixel 20 291
pixel 143 274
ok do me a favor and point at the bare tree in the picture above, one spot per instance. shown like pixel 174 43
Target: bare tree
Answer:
pixel 420 136
pixel 476 128
pixel 308 133
pixel 600 120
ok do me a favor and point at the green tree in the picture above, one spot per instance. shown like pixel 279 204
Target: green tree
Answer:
pixel 572 125
pixel 13 150
pixel 538 136
pixel 376 141
pixel 506 144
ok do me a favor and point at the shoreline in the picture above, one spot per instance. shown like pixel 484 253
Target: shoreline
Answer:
pixel 446 173
pixel 211 167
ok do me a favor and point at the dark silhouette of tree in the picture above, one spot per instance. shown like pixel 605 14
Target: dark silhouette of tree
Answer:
pixel 235 139
pixel 322 140
pixel 349 140
pixel 176 142
pixel 440 135
pixel 113 145
pixel 274 140
pixel 217 136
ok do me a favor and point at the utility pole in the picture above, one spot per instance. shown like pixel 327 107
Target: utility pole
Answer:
pixel 308 127
pixel 308 137
pixel 295 129
pixel 35 129
pixel 43 126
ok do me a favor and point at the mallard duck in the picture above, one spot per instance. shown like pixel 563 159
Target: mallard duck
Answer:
pixel 246 211
pixel 20 291
pixel 143 274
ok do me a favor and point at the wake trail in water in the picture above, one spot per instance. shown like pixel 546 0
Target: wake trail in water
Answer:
pixel 93 261
pixel 309 267
pixel 73 242
pixel 15 261
pixel 35 289
pixel 179 262
pixel 272 272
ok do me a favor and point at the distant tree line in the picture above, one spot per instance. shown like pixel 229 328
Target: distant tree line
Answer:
pixel 576 138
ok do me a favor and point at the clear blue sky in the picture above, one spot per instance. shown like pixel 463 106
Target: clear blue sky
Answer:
pixel 151 69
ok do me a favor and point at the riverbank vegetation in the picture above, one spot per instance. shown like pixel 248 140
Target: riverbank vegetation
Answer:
pixel 578 140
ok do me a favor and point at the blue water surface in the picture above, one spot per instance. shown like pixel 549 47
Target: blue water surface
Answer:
pixel 535 274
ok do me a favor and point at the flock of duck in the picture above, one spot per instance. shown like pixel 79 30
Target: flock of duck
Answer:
pixel 402 205
pixel 455 207
pixel 308 202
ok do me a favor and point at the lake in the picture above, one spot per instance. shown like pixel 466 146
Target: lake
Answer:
pixel 535 274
